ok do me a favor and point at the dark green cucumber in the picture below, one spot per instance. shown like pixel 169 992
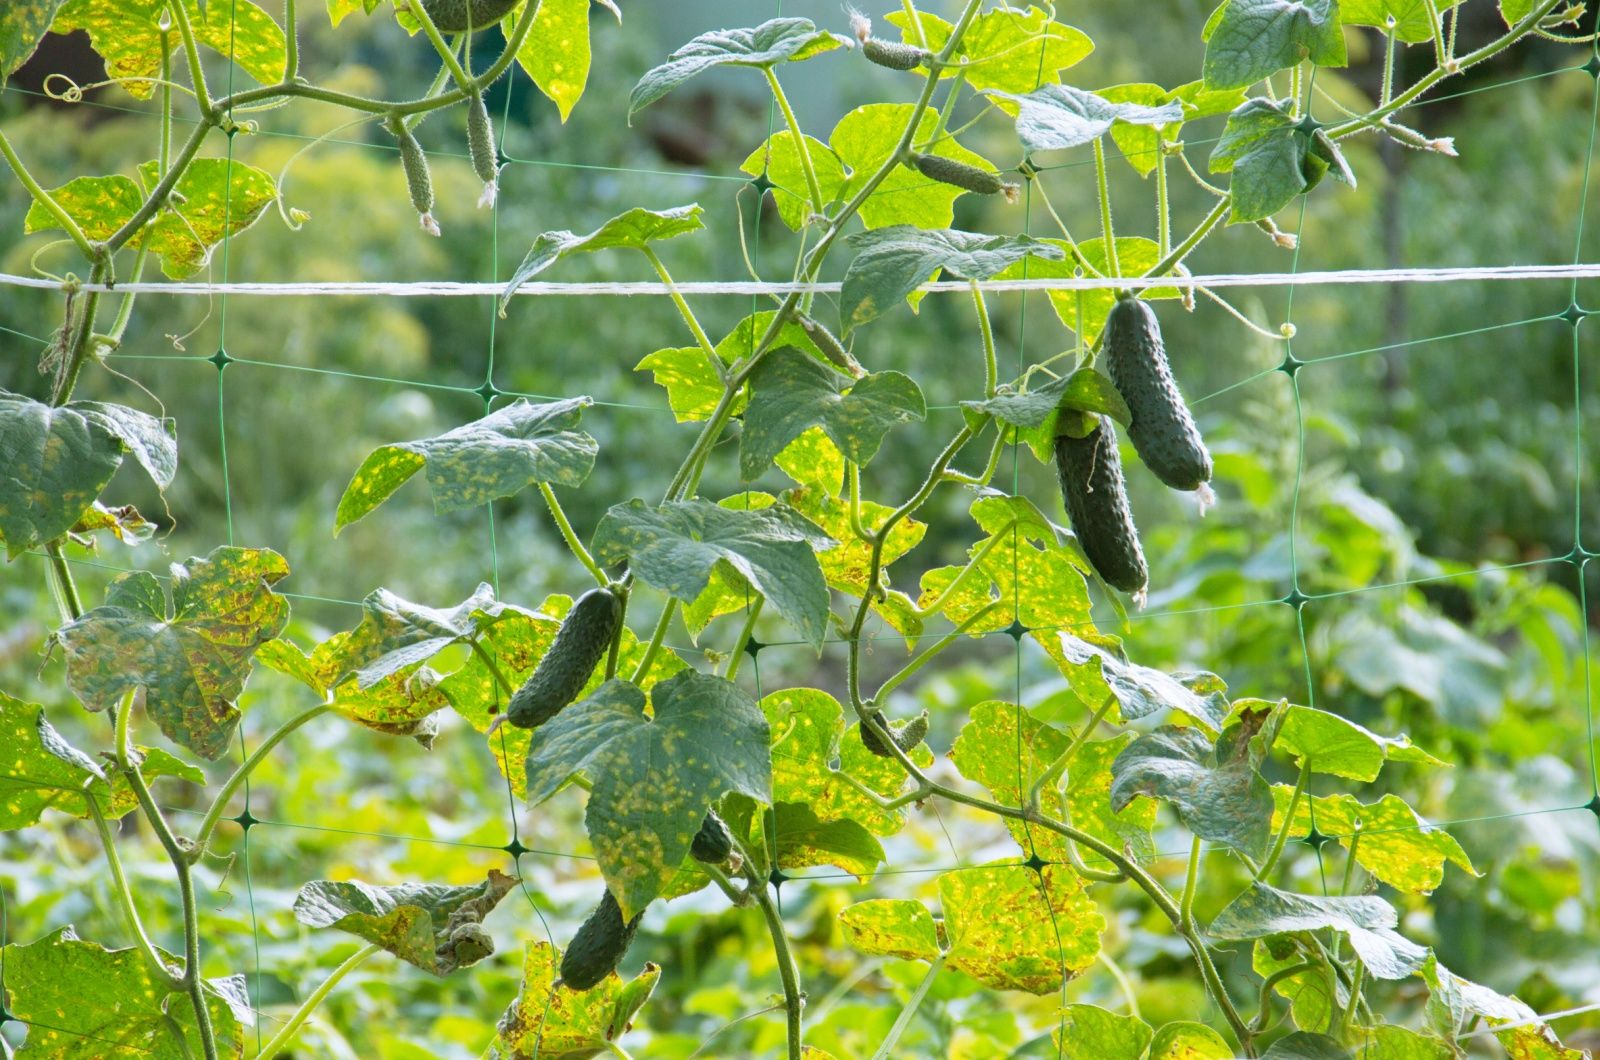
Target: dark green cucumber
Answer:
pixel 713 844
pixel 419 181
pixel 1161 429
pixel 906 735
pixel 455 16
pixel 480 145
pixel 961 175
pixel 599 946
pixel 895 55
pixel 1090 471
pixel 580 643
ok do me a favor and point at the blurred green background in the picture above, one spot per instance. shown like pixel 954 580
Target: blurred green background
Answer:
pixel 1424 481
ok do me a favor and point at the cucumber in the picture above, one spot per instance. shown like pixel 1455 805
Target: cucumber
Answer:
pixel 455 16
pixel 1162 430
pixel 906 735
pixel 599 946
pixel 962 175
pixel 894 55
pixel 480 145
pixel 1090 471
pixel 713 844
pixel 580 643
pixel 419 181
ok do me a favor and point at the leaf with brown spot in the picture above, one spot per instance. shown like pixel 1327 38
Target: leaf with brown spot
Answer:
pixel 553 1023
pixel 1016 929
pixel 891 927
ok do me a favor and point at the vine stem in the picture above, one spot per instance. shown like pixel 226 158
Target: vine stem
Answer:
pixel 886 1047
pixel 286 1034
pixel 718 366
pixel 291 41
pixel 932 650
pixel 219 804
pixel 1282 837
pixel 1105 208
pixel 66 589
pixel 1190 885
pixel 124 895
pixel 1064 759
pixel 197 73
pixel 45 199
pixel 1203 229
pixel 743 639
pixel 991 362
pixel 660 634
pixel 793 999
pixel 813 188
pixel 574 544
pixel 995 541
pixel 1264 1009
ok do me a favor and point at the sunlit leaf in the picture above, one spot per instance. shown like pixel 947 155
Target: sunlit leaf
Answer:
pixel 550 1023
pixel 1098 669
pixel 891 927
pixel 694 387
pixel 1337 746
pixel 779 160
pixel 1414 23
pixel 1135 256
pixel 775 41
pixel 1141 144
pixel 1012 928
pixel 128 35
pixel 22 23
pixel 1015 49
pixel 1056 117
pixel 634 228
pixel 1088 1032
pixel 791 393
pixel 555 53
pixel 865 138
pixel 1390 840
pixel 1366 920
pixel 1189 1041
pixel 1257 38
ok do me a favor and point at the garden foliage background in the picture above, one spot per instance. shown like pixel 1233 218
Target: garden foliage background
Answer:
pixel 1434 451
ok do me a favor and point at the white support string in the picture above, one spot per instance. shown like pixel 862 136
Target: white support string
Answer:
pixel 445 289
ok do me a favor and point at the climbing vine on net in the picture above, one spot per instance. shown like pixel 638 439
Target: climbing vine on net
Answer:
pixel 692 780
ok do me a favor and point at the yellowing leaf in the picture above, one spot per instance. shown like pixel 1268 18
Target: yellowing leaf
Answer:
pixel 127 34
pixel 555 1023
pixel 1016 929
pixel 891 927
pixel 1389 839
pixel 555 53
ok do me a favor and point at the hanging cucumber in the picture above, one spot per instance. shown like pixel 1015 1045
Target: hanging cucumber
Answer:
pixel 1090 471
pixel 963 175
pixel 419 181
pixel 480 145
pixel 1161 428
pixel 713 844
pixel 580 643
pixel 599 945
pixel 905 735
pixel 457 16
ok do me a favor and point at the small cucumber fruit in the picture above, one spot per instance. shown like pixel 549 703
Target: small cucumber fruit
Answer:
pixel 1090 471
pixel 599 946
pixel 582 640
pixel 1162 430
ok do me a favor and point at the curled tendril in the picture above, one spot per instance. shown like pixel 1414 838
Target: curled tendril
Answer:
pixel 71 94
pixel 74 92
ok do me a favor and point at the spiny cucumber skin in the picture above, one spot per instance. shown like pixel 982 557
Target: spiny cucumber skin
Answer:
pixel 713 844
pixel 905 735
pixel 580 643
pixel 893 54
pixel 480 140
pixel 599 946
pixel 456 16
pixel 1090 472
pixel 1161 429
pixel 959 174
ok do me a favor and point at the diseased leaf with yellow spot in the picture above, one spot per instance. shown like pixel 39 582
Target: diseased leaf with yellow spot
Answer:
pixel 553 1023
pixel 1012 928
pixel 1394 844
pixel 693 386
pixel 1088 1032
pixel 1003 748
pixel 413 921
pixel 400 704
pixel 727 590
pixel 81 1000
pixel 808 734
pixel 99 205
pixel 1189 1041
pixel 1389 1042
pixel 813 460
pixel 780 161
pixel 493 457
pixel 1089 803
pixel 891 927
pixel 847 564
pixel 653 778
pixel 802 841
pixel 124 522
pixel 1097 669
pixel 192 659
pixel 555 53
pixel 1016 50
pixel 127 34
pixel 22 23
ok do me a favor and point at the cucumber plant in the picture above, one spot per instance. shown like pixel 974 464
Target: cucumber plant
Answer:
pixel 691 782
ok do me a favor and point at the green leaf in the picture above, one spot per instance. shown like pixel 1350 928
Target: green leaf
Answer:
pixel 1012 928
pixel 191 659
pixel 1097 669
pixel 634 229
pixel 421 923
pixel 1189 1041
pixel 1036 411
pixel 801 840
pixel 1272 158
pixel 1394 844
pixel 891 927
pixel 790 392
pixel 1413 23
pixel 694 388
pixel 40 770
pixel 677 546
pixel 21 25
pixel 81 1000
pixel 779 160
pixel 402 704
pixel 396 634
pixel 339 10
pixel 1514 11
pixel 1216 790
pixel 1088 794
pixel 846 565
pixel 544 1022
pixel 1306 1045
pixel 497 456
pixel 1314 994
pixel 58 459
pixel 1141 144
pixel 1257 38
pixel 1088 1032
pixel 1336 745
pixel 891 263
pixel 214 199
pixel 1366 920
pixel 866 137
pixel 1012 49
pixel 653 778
pixel 128 34
pixel 1056 117
pixel 1389 1042
pixel 1135 257
pixel 812 752
pixel 775 41
pixel 555 53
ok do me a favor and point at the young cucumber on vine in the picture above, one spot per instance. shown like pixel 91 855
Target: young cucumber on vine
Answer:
pixel 582 640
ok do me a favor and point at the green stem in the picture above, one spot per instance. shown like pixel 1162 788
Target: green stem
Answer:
pixel 886 1047
pixel 45 199
pixel 1190 885
pixel 928 653
pixel 641 671
pixel 793 999
pixel 991 361
pixel 130 912
pixel 570 537
pixel 1163 205
pixel 718 365
pixel 853 485
pixel 447 53
pixel 813 188
pixel 1108 232
pixel 989 468
pixel 984 550
pixel 743 639
pixel 1288 822
pixel 914 21
pixel 1386 91
pixel 1124 983
pixel 1350 864
pixel 66 589
pixel 1264 1007
pixel 219 804
pixel 624 591
pixel 1203 229
pixel 1341 1019
pixel 1064 759
pixel 1436 30
pixel 286 1034
pixel 197 73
